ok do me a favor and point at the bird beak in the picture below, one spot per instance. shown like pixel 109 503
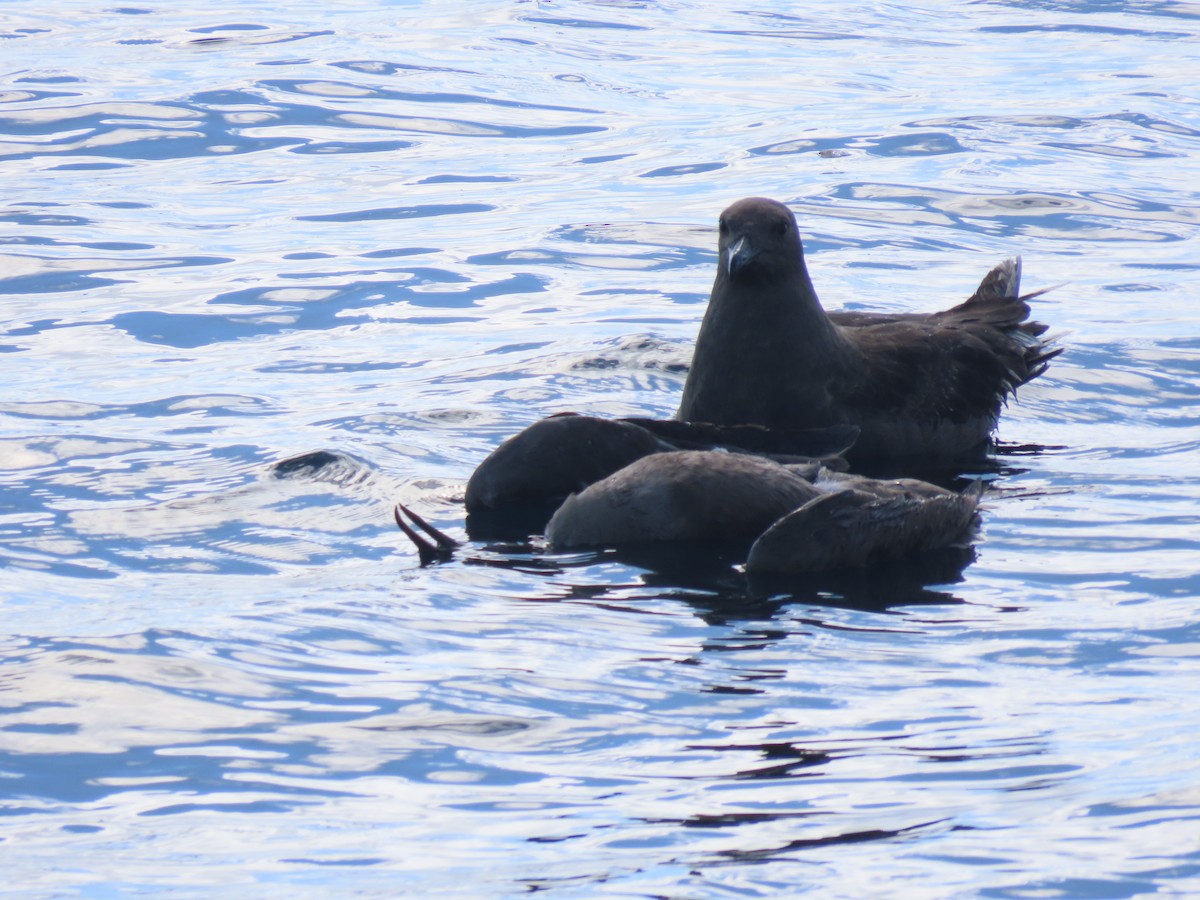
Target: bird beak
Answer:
pixel 737 255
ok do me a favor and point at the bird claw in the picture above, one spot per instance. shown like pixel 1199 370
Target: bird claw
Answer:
pixel 440 549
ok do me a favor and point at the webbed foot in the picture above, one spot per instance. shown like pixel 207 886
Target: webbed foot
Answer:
pixel 440 549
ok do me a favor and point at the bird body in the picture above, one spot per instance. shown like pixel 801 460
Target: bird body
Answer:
pixel 686 495
pixel 914 384
pixel 793 524
pixel 564 453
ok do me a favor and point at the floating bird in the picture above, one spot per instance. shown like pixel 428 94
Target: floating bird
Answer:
pixel 686 495
pixel 564 453
pixel 915 384
pixel 795 521
pixel 796 525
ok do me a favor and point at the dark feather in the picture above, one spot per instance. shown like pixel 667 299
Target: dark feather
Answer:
pixel 914 383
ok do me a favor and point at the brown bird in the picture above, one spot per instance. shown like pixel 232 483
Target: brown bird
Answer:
pixel 929 384
pixel 794 520
pixel 564 453
pixel 796 525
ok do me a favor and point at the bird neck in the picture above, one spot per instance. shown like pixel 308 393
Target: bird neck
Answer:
pixel 764 354
pixel 767 321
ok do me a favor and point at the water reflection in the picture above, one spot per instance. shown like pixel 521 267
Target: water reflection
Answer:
pixel 710 578
pixel 849 837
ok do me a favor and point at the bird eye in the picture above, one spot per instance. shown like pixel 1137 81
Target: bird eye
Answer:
pixel 722 226
pixel 780 228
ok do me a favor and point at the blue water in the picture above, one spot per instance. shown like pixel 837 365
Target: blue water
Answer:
pixel 402 231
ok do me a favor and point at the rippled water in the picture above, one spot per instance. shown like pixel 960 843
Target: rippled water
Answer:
pixel 400 232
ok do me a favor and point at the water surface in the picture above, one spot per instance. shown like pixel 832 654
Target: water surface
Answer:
pixel 401 232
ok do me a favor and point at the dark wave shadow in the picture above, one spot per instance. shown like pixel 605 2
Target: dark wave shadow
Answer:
pixel 830 840
pixel 1000 459
pixel 709 578
pixel 711 581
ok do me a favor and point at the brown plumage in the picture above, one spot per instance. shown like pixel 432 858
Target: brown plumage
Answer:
pixel 865 524
pixel 687 495
pixel 563 454
pixel 915 384
pixel 796 525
